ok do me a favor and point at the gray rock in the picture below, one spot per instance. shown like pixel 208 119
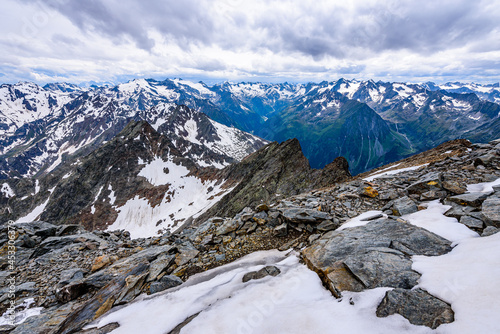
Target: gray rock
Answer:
pixel 266 271
pixel 403 206
pixel 489 230
pixel 299 215
pixel 454 186
pixel 220 257
pixel 166 282
pixel 491 211
pixel 69 230
pixel 418 306
pixel 186 252
pixel 280 230
pixel 70 275
pixel 328 225
pixel 27 242
pixel 52 243
pixel 457 211
pixel 429 181
pixel 102 301
pixel 229 226
pixel 469 199
pixel 471 222
pixel 42 229
pixel 365 257
pixel 159 265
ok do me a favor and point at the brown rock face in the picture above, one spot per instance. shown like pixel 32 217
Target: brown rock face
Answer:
pixel 275 171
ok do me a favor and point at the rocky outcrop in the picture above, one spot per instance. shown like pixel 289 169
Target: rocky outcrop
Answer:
pixel 273 172
pixel 77 274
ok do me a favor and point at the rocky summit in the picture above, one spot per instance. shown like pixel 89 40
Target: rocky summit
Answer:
pixel 355 234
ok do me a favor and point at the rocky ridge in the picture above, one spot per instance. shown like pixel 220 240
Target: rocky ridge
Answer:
pixel 78 275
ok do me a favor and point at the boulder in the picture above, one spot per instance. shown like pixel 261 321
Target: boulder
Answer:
pixel 280 230
pixel 418 306
pixel 489 230
pixel 471 222
pixel 229 226
pixel 328 225
pixel 429 181
pixel 403 206
pixel 469 199
pixel 374 255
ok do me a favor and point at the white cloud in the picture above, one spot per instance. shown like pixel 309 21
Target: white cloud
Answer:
pixel 70 40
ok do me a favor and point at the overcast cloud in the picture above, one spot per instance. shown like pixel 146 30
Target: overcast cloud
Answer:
pixel 116 40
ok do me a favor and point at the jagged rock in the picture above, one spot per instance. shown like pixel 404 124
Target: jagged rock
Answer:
pixel 328 225
pixel 418 306
pixel 454 186
pixel 429 181
pixel 186 252
pixel 229 226
pixel 266 271
pixel 469 199
pixel 70 275
pixel 40 228
pixel 432 194
pixel 133 287
pixel 485 159
pixel 100 303
pixel 489 230
pixel 363 257
pixel 162 263
pixel 280 230
pixel 69 229
pixel 52 243
pixel 491 211
pixel 26 241
pixel 404 206
pixel 301 215
pixel 166 282
pixel 457 211
pixel 471 222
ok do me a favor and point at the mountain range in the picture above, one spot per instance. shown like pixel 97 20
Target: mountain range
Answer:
pixel 368 122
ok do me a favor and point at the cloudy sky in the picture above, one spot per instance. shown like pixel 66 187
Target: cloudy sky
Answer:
pixel 259 40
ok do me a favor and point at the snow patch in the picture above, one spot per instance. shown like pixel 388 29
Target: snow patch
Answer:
pixel 358 220
pixel 484 187
pixel 392 172
pixel 293 302
pixel 7 191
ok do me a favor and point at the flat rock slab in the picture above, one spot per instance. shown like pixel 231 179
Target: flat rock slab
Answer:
pixel 302 215
pixel 377 254
pixel 469 199
pixel 418 306
pixel 404 206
